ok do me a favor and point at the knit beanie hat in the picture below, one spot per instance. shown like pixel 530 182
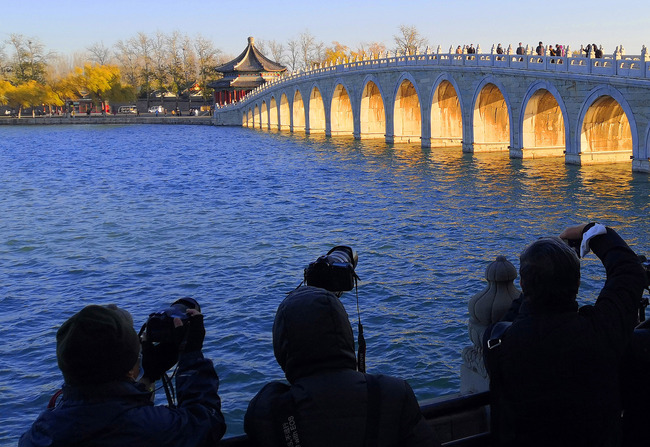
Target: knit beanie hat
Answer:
pixel 97 345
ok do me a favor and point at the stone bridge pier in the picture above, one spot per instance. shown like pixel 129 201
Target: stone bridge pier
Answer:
pixel 582 109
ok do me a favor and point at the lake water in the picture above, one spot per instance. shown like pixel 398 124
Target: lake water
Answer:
pixel 142 215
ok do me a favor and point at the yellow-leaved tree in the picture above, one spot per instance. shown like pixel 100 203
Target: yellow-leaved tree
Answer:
pixel 5 88
pixel 102 83
pixel 28 94
pixel 62 89
pixel 336 53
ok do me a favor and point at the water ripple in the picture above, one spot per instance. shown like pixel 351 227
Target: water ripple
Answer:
pixel 142 215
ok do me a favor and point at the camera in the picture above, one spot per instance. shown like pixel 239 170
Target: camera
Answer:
pixel 333 271
pixel 160 325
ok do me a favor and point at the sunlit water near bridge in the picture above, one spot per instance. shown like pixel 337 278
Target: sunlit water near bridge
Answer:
pixel 142 215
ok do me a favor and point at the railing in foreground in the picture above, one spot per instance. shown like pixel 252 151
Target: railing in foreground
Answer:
pixel 459 421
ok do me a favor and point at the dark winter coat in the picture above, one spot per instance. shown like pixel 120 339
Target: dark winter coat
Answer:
pixel 122 414
pixel 554 378
pixel 327 402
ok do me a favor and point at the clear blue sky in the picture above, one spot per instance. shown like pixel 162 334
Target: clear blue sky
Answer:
pixel 68 26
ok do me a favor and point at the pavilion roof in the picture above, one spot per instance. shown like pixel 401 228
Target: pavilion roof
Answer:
pixel 251 60
pixel 242 83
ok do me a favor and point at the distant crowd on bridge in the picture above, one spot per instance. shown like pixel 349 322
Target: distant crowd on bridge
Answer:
pixel 591 50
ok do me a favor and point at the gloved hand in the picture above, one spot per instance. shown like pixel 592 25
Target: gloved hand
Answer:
pixel 196 332
pixel 157 359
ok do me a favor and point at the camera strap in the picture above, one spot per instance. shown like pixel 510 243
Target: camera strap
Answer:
pixel 361 342
pixel 169 390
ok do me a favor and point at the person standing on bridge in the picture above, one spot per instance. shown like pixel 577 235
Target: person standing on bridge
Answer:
pixel 554 367
pixel 598 52
pixel 520 49
pixel 540 49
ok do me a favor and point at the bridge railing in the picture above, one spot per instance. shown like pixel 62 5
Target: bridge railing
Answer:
pixel 458 421
pixel 635 67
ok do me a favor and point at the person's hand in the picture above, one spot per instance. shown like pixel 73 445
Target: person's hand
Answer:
pixel 159 358
pixel 573 233
pixel 196 331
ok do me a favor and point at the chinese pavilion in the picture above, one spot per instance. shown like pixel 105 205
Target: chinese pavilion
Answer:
pixel 244 73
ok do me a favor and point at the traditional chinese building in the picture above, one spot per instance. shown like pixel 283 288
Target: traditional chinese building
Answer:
pixel 244 73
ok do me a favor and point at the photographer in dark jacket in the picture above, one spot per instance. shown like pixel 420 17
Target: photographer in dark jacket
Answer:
pixel 102 404
pixel 328 402
pixel 554 371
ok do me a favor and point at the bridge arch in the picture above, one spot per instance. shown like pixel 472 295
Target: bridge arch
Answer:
pixel 273 114
pixel 298 113
pixel 316 118
pixel 256 116
pixel 606 128
pixel 446 112
pixel 372 110
pixel 543 122
pixel 249 118
pixel 491 109
pixel 285 113
pixel 341 110
pixel 407 110
pixel 264 116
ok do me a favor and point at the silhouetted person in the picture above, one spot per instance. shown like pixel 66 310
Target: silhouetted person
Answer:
pixel 554 371
pixel 102 404
pixel 327 401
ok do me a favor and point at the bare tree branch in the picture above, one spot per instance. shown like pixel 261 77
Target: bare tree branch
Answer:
pixel 99 53
pixel 277 51
pixel 409 41
pixel 293 48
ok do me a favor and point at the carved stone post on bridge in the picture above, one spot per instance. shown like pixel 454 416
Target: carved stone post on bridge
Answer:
pixel 485 308
pixel 617 53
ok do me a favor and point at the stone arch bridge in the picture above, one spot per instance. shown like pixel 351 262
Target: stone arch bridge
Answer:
pixel 583 109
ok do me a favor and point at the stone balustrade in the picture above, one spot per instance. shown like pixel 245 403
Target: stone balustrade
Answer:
pixel 485 308
pixel 616 64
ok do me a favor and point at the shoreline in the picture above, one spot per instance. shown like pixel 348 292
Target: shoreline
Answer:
pixel 108 119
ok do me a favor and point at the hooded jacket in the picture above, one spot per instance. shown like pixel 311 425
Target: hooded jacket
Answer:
pixel 554 376
pixel 328 402
pixel 121 413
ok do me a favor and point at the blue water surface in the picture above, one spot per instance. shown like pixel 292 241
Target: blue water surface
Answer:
pixel 142 215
